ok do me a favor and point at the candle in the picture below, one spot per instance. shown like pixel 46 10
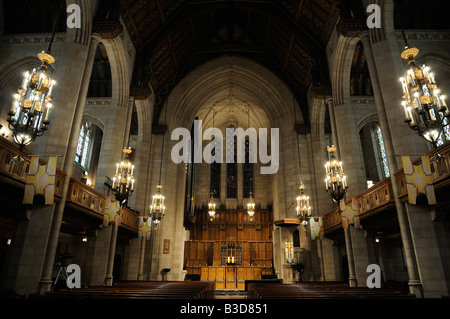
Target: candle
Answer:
pixel 404 103
pixel 228 259
pixel 410 115
pixel 50 90
pixel 113 182
pixel 404 85
pixel 25 80
pixel 232 260
pixel 132 185
pixel 47 111
pixel 117 168
pixel 132 169
pixel 431 77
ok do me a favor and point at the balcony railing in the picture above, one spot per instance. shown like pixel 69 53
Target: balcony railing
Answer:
pixel 16 174
pixel 85 198
pixel 80 197
pixel 380 196
pixel 440 171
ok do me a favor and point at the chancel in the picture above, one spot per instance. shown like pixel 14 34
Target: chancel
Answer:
pixel 224 149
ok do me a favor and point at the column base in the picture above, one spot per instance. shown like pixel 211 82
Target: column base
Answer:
pixel 45 285
pixel 415 287
pixel 352 282
pixel 109 280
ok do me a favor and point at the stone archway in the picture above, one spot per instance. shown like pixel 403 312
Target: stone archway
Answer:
pixel 272 104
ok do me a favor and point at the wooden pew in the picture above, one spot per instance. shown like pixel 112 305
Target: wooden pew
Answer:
pixel 142 289
pixel 334 290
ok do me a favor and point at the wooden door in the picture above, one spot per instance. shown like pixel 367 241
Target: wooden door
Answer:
pixel 241 276
pixel 220 278
pixel 230 278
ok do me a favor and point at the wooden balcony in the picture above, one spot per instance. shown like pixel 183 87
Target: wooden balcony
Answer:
pixel 440 171
pixel 80 198
pixel 86 199
pixel 380 196
pixel 377 198
pixel 16 175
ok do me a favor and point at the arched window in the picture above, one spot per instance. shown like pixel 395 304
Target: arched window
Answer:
pixel 374 152
pixel 215 177
pixel 83 145
pixel 231 167
pixel 248 172
pixel 382 151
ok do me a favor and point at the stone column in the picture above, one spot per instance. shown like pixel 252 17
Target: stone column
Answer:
pixel 23 270
pixel 112 249
pixel 141 259
pixel 414 281
pixel 351 262
pixel 46 276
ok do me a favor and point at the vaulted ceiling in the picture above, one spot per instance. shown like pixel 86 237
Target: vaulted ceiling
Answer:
pixel 173 37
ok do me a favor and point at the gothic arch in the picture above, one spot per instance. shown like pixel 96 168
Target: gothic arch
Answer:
pixel 340 76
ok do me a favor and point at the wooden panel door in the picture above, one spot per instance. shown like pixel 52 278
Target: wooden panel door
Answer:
pixel 241 276
pixel 245 253
pixel 212 273
pixel 230 278
pixel 249 273
pixel 220 278
pixel 216 253
pixel 204 276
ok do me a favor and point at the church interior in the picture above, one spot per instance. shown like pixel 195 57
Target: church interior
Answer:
pixel 254 149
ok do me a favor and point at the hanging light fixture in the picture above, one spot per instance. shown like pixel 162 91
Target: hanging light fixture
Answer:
pixel 29 113
pixel 303 208
pixel 335 179
pixel 158 207
pixel 425 108
pixel 211 207
pixel 251 202
pixel 211 203
pixel 123 181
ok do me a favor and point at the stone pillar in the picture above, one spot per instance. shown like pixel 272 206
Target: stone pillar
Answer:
pixel 414 282
pixel 94 270
pixel 363 253
pixel 27 256
pixel 68 168
pixel 428 255
pixel 112 250
pixel 351 262
pixel 141 259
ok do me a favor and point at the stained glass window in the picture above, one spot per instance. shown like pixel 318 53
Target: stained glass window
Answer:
pixel 382 151
pixel 248 172
pixel 215 177
pixel 446 135
pixel 84 141
pixel 231 168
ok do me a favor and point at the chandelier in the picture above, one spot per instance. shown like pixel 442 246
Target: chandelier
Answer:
pixel 251 201
pixel 426 110
pixel 30 110
pixel 157 208
pixel 335 179
pixel 303 208
pixel 123 181
pixel 211 207
pixel 29 114
pixel 251 206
